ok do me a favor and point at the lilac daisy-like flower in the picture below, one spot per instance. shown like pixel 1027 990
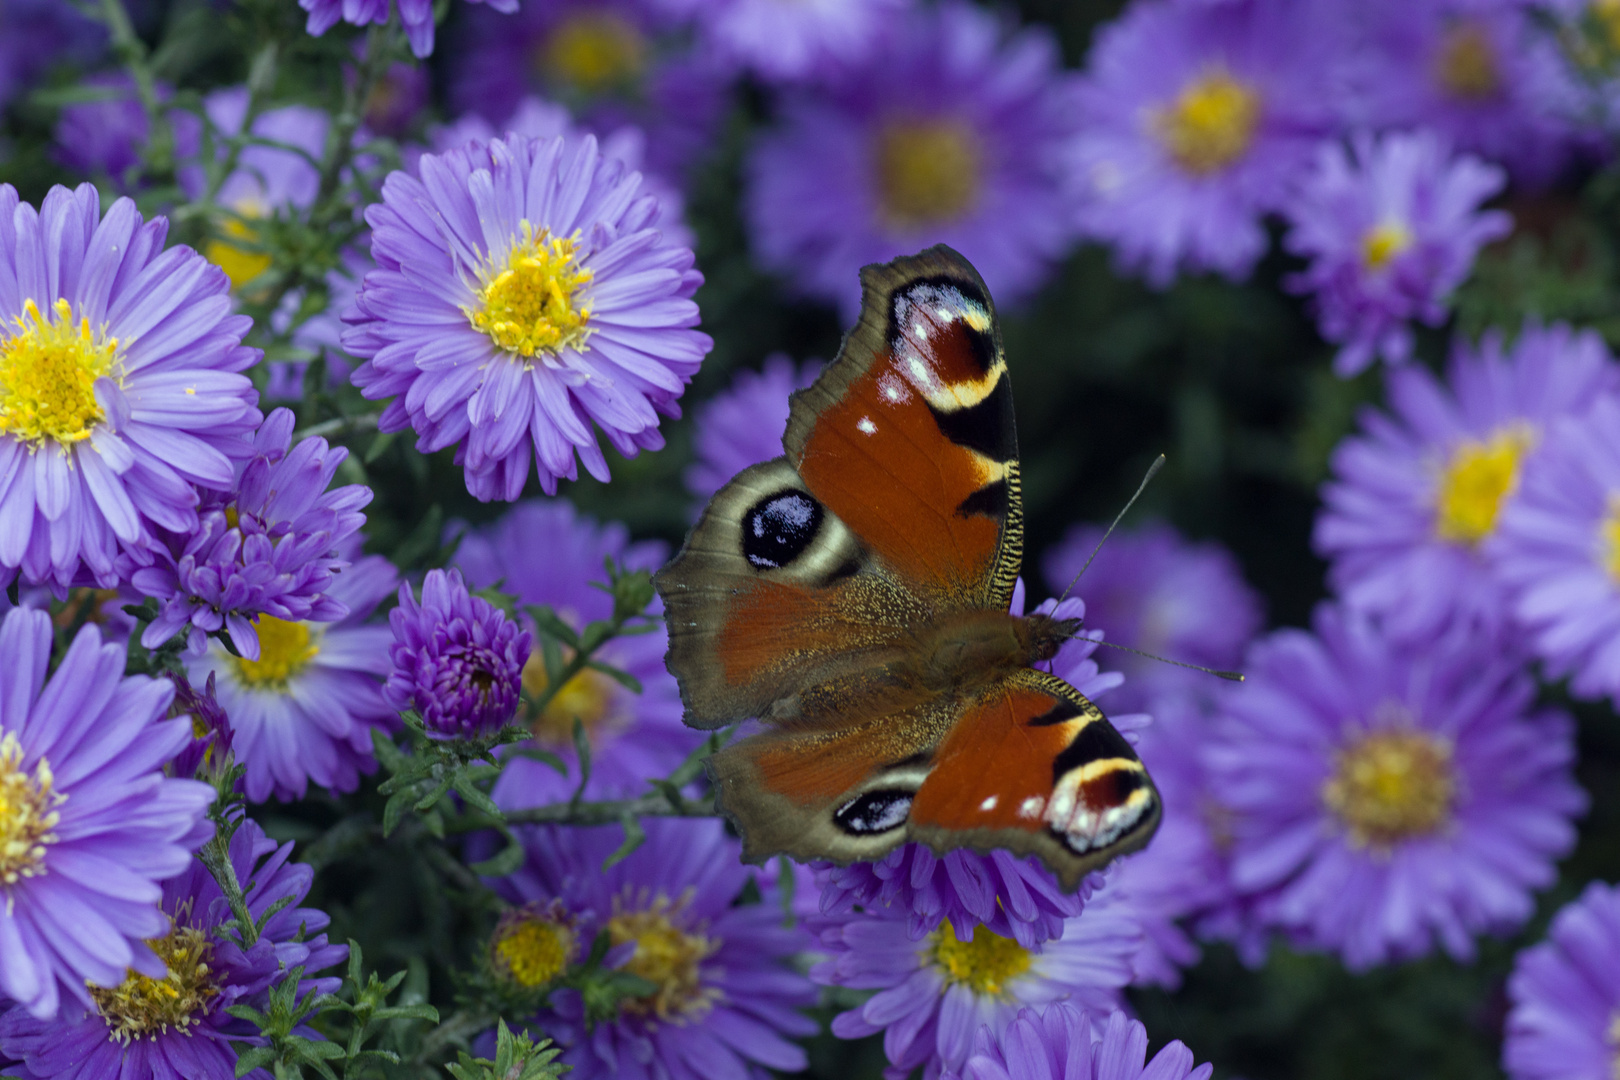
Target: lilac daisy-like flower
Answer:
pixel 1155 590
pixel 790 40
pixel 1198 120
pixel 267 547
pixel 305 709
pixel 1558 551
pixel 522 295
pixel 457 660
pixel 744 425
pixel 106 137
pixel 175 1026
pixel 725 1002
pixel 88 823
pixel 545 553
pixel 415 15
pixel 1565 1020
pixel 1060 1043
pixel 1415 496
pixel 1392 797
pixel 1390 227
pixel 40 33
pixel 948 133
pixel 121 386
pixel 934 994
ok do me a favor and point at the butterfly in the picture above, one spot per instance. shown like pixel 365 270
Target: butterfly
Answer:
pixel 853 595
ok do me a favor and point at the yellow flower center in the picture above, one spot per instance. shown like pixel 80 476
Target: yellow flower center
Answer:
pixel 666 956
pixel 985 964
pixel 142 1007
pixel 285 649
pixel 531 949
pixel 238 251
pixel 1391 785
pixel 1466 63
pixel 1614 1041
pixel 586 695
pixel 1211 124
pixel 48 373
pixel 1609 538
pixel 527 304
pixel 1477 477
pixel 593 51
pixel 1383 242
pixel 1606 15
pixel 27 815
pixel 927 172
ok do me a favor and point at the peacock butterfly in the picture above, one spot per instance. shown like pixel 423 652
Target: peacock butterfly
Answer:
pixel 853 595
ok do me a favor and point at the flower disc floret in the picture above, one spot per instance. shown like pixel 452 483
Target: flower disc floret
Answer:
pixel 533 944
pixel 1476 479
pixel 48 373
pixel 27 814
pixel 142 1006
pixel 984 963
pixel 668 952
pixel 527 304
pixel 929 171
pixel 1211 123
pixel 1392 785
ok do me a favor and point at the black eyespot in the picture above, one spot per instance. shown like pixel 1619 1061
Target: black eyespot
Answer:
pixel 874 812
pixel 778 528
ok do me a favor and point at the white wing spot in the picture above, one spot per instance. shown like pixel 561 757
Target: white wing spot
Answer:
pixel 988 804
pixel 1032 807
pixel 865 426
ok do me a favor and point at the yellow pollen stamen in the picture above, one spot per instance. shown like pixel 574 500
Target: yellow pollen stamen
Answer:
pixel 593 51
pixel 587 695
pixel 48 373
pixel 1383 242
pixel 928 172
pixel 27 816
pixel 285 649
pixel 1476 479
pixel 1390 785
pixel 666 956
pixel 1614 1041
pixel 144 1007
pixel 1211 124
pixel 986 964
pixel 1609 539
pixel 531 947
pixel 528 304
pixel 242 260
pixel 1466 63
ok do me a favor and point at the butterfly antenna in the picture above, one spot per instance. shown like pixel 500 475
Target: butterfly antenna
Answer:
pixel 1158 463
pixel 1229 676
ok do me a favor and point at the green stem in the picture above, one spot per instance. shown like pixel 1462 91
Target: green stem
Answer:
pixel 605 812
pixel 343 425
pixel 128 46
pixel 216 856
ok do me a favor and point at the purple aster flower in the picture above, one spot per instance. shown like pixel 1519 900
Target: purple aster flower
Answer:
pixel 543 552
pixel 1392 797
pixel 790 40
pixel 415 15
pixel 522 294
pixel 744 425
pixel 1565 1022
pixel 267 547
pixel 121 386
pixel 91 825
pixel 210 743
pixel 40 33
pixel 1061 1043
pixel 1558 551
pixel 176 1027
pixel 1391 228
pixel 949 133
pixel 107 136
pixel 726 1002
pixel 1482 76
pixel 457 660
pixel 934 994
pixel 305 709
pixel 1417 493
pixel 1157 591
pixel 1198 119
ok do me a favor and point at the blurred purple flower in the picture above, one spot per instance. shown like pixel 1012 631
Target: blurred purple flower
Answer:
pixel 1061 1043
pixel 949 132
pixel 790 40
pixel 1565 1020
pixel 397 98
pixel 415 15
pixel 1391 228
pixel 1196 121
pixel 457 660
pixel 1415 495
pixel 522 294
pixel 320 334
pixel 107 136
pixel 1390 797
pixel 39 33
pixel 744 424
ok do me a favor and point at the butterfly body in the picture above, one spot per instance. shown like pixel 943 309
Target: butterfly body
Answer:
pixel 853 596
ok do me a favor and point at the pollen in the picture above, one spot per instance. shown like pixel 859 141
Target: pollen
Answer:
pixel 1475 480
pixel 27 816
pixel 529 304
pixel 928 171
pixel 593 51
pixel 1383 243
pixel 48 373
pixel 531 947
pixel 1392 785
pixel 142 1007
pixel 1466 63
pixel 667 956
pixel 1211 123
pixel 285 649
pixel 1609 539
pixel 986 965
pixel 1614 1041
pixel 238 251
pixel 588 696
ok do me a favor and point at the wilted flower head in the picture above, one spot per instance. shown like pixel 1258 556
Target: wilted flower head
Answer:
pixel 210 743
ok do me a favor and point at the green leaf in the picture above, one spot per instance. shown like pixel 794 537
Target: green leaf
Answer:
pixel 634 834
pixel 623 678
pixel 504 862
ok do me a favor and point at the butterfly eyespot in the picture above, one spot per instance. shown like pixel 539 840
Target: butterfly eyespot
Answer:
pixel 778 528
pixel 874 812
